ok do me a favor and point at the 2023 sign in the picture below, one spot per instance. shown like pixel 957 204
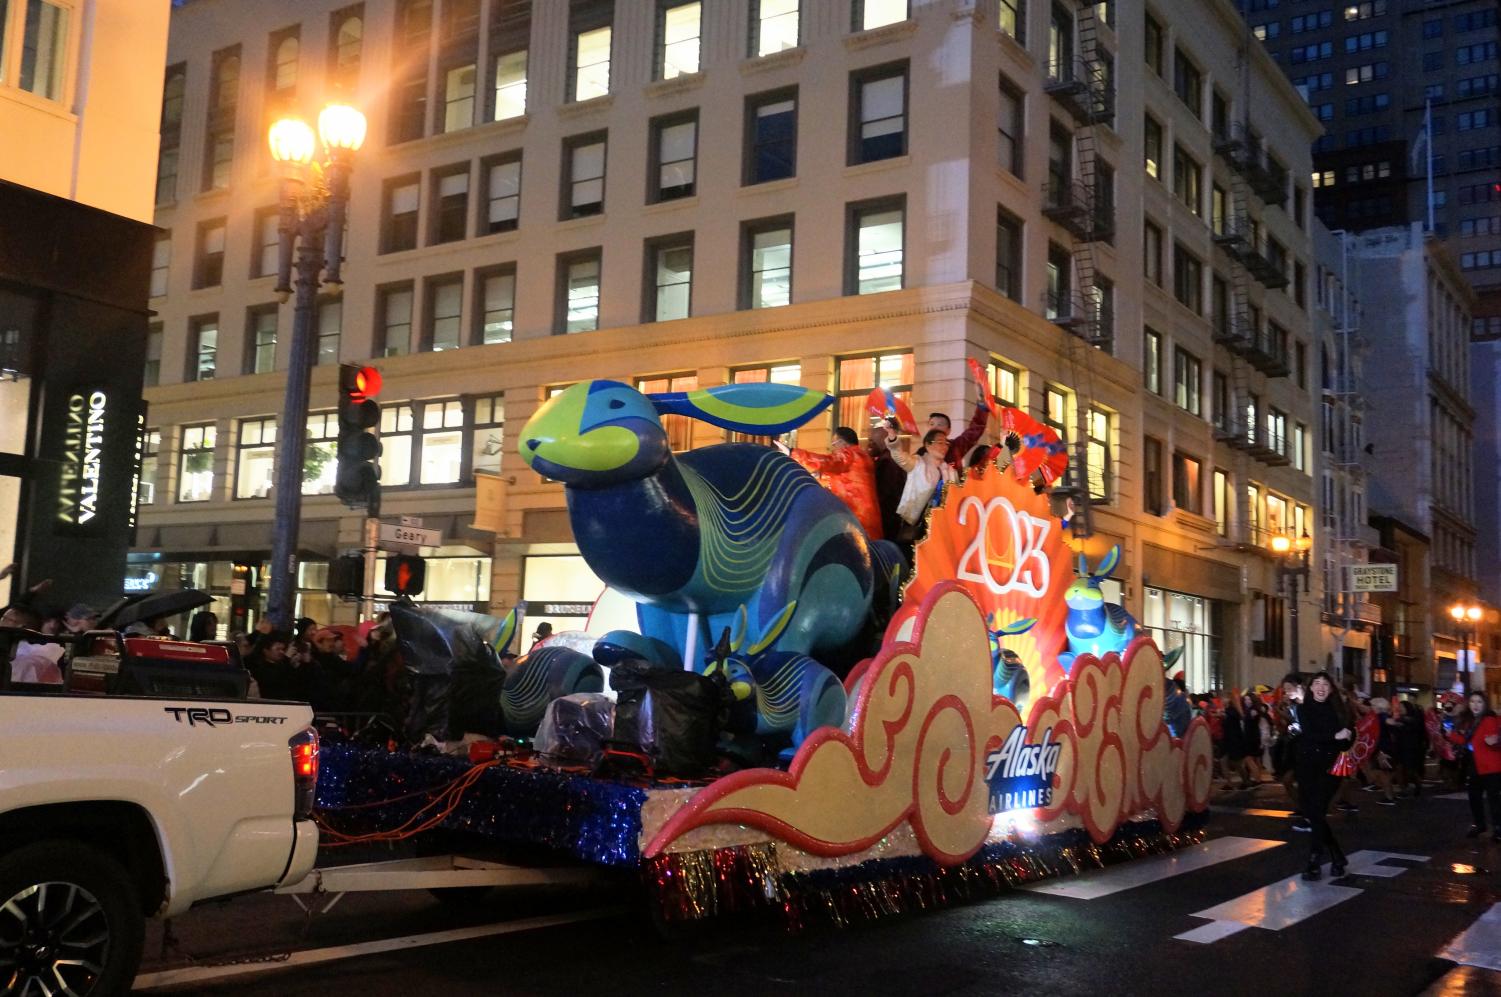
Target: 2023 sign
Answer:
pixel 1018 562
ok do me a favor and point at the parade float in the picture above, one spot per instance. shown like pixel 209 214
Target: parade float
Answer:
pixel 899 758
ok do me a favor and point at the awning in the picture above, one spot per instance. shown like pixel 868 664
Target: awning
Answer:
pixel 1357 639
pixel 234 541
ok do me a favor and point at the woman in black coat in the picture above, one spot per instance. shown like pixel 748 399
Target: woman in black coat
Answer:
pixel 1323 732
pixel 1412 747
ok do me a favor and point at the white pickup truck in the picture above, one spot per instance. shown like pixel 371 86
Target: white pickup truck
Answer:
pixel 116 808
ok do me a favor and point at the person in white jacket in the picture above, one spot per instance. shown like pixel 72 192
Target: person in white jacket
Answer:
pixel 926 471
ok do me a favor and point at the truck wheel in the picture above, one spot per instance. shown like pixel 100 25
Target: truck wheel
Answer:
pixel 70 922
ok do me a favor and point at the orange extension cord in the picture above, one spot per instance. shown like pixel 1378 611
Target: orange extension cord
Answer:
pixel 445 801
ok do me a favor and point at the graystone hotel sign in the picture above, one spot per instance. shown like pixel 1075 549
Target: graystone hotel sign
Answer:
pixel 83 450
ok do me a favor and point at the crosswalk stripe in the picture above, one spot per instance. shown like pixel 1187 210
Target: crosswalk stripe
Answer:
pixel 1291 900
pixel 1479 944
pixel 1129 875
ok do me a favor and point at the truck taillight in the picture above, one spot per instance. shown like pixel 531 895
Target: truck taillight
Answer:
pixel 304 747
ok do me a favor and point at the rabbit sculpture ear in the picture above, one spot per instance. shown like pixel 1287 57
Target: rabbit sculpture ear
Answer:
pixel 1103 569
pixel 757 409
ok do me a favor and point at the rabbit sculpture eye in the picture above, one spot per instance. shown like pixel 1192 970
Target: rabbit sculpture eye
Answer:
pixel 736 535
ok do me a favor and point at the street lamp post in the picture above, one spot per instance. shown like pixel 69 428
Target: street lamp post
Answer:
pixel 312 229
pixel 1292 565
pixel 1463 613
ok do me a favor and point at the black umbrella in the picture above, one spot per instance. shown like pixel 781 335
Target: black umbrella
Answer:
pixel 157 604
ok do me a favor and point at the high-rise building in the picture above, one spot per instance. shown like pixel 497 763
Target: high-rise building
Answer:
pixel 78 116
pixel 1106 207
pixel 1407 91
pixel 1419 429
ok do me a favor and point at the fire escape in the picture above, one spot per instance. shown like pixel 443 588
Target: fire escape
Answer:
pixel 1257 183
pixel 1079 81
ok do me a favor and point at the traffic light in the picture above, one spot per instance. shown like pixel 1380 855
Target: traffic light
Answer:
pixel 357 478
pixel 346 576
pixel 405 574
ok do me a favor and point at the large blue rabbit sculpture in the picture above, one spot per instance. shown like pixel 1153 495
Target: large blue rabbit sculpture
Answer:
pixel 735 535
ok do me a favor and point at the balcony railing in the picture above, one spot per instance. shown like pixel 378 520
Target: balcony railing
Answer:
pixel 1247 155
pixel 1082 90
pixel 1071 205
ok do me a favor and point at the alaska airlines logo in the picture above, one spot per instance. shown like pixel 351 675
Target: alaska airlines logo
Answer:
pixel 1020 775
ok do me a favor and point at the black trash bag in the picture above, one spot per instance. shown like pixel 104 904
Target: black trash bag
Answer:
pixel 456 674
pixel 673 718
pixel 575 728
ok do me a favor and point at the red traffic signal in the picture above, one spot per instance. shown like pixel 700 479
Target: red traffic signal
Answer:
pixel 358 383
pixel 406 574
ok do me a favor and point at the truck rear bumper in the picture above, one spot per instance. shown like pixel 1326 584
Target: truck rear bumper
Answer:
pixel 304 852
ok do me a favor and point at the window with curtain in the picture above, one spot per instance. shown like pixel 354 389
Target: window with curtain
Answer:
pixel 854 377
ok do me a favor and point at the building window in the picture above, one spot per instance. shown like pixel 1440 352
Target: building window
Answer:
pixel 395 315
pixel 1153 44
pixel 774 26
pixel 496 305
pixel 1221 499
pixel 346 39
pixel 284 51
pixel 1187 487
pixel 578 291
pixel 1187 180
pixel 1151 364
pixel 1014 19
pixel 395 445
pixel 223 100
pixel 319 467
pixel 1151 489
pixel 442 454
pixel 1099 455
pixel 445 313
pixel 678 30
pixel 1152 142
pixel 203 359
pixel 584 167
pixel 195 472
pixel 873 253
pixel 1056 403
pixel 209 271
pixel 669 278
pixel 854 377
pixel 510 35
pixel 487 434
pixel 679 428
pixel 1300 447
pixel 591 32
pixel 1008 255
pixel 260 340
pixel 1009 127
pixel 408 82
pixel 870 14
pixel 450 207
pixel 153 373
pixel 174 90
pixel 1058 302
pixel 399 226
pixel 1276 427
pixel 150 467
pixel 674 152
pixel 459 89
pixel 44 48
pixel 1219 401
pixel 330 329
pixel 265 256
pixel 770 136
pixel 1151 253
pixel 502 203
pixel 1188 374
pixel 256 458
pixel 1188 279
pixel 1188 83
pixel 766 263
pixel 878 114
pixel 161 262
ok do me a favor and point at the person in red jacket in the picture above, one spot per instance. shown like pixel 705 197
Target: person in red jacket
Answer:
pixel 850 473
pixel 961 444
pixel 1477 733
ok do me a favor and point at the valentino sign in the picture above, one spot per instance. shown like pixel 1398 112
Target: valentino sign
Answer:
pixel 83 442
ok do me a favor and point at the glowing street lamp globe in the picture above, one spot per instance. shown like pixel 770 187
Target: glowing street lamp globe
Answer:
pixel 1281 543
pixel 342 128
pixel 291 141
pixel 1473 614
